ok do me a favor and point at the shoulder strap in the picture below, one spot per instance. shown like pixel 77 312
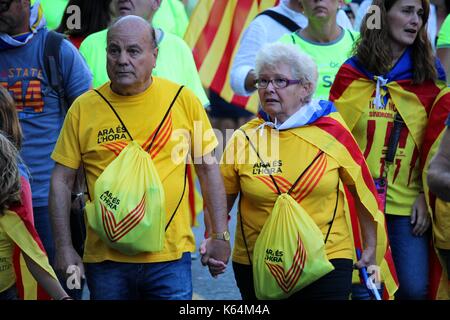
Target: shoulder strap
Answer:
pixel 160 124
pixel 281 19
pixel 257 153
pixel 164 118
pixel 393 141
pixel 293 39
pixel 273 179
pixel 351 35
pixel 113 110
pixel 52 51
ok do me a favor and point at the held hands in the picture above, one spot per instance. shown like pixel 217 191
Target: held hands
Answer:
pixel 66 257
pixel 420 217
pixel 215 254
pixel 368 258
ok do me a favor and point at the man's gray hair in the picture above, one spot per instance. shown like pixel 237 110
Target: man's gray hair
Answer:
pixel 302 65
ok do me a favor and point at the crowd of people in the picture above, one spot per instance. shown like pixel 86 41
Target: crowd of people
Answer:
pixel 112 119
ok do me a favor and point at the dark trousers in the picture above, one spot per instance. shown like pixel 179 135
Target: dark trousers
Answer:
pixel 335 285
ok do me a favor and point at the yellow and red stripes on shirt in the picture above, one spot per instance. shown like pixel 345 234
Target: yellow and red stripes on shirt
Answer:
pixel 330 135
pixel 161 140
pixel 17 222
pixel 439 287
pixel 213 34
pixel 305 186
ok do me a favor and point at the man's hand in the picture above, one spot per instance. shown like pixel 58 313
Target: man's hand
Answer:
pixel 215 255
pixel 420 217
pixel 368 258
pixel 67 256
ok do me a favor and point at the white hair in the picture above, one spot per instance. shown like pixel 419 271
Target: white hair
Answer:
pixel 302 65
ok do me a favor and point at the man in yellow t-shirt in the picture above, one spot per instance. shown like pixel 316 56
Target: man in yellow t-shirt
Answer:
pixel 93 136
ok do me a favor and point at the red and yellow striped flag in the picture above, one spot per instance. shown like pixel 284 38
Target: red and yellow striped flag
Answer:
pixel 18 225
pixel 330 134
pixel 439 288
pixel 213 34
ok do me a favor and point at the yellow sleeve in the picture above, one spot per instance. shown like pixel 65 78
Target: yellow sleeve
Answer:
pixel 229 163
pixel 67 149
pixel 203 138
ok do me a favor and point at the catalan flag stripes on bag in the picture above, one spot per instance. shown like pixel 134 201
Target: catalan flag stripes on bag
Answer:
pixel 213 34
pixel 439 288
pixel 354 87
pixel 330 134
pixel 18 225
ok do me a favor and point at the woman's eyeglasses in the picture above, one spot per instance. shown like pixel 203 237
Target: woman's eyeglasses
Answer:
pixel 277 83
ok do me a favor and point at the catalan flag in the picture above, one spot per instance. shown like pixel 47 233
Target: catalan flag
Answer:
pixel 354 87
pixel 213 34
pixel 18 225
pixel 330 134
pixel 439 288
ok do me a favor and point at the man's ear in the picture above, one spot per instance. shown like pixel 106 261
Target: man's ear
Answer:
pixel 156 4
pixel 308 88
pixel 155 54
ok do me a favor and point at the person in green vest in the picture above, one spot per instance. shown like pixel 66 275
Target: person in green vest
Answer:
pixel 175 61
pixel 53 11
pixel 324 40
pixel 172 17
pixel 443 46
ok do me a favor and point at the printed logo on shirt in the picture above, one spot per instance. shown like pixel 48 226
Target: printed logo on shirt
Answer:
pixel 306 184
pixel 117 138
pixel 111 134
pixel 25 87
pixel 261 168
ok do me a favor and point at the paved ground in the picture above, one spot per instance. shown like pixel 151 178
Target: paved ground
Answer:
pixel 209 288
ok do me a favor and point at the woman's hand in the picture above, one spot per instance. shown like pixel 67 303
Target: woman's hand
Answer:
pixel 420 217
pixel 216 267
pixel 368 258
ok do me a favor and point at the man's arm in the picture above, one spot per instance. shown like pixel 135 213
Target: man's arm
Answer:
pixel 242 75
pixel 439 170
pixel 444 55
pixel 61 185
pixel 213 192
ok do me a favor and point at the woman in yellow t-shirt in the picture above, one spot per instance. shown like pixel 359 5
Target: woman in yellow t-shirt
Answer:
pixel 385 94
pixel 306 135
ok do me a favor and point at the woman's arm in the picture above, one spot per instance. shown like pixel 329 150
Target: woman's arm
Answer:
pixel 50 284
pixel 368 231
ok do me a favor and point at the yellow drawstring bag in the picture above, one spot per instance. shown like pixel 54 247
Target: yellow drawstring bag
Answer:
pixel 128 208
pixel 289 253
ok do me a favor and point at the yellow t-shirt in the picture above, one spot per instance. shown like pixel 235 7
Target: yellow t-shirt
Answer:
pixel 372 132
pixel 7 274
pixel 93 135
pixel 246 174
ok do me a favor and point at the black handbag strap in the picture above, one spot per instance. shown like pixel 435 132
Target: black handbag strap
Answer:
pixel 182 195
pixel 393 141
pixel 281 19
pixel 160 124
